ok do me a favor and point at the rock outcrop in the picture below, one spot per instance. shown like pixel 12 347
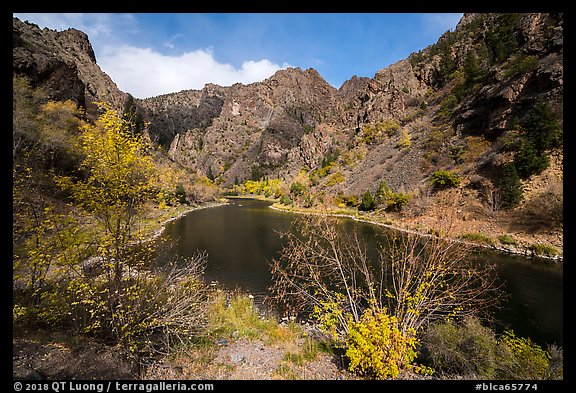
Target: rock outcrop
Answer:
pixel 177 113
pixel 63 63
pixel 261 128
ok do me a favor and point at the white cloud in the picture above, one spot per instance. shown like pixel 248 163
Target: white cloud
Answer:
pixel 170 42
pixel 144 72
pixel 97 25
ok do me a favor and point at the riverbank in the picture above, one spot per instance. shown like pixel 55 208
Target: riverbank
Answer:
pixel 156 220
pixel 271 348
pixel 490 241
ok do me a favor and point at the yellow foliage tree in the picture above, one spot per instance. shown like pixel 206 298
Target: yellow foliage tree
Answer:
pixel 119 179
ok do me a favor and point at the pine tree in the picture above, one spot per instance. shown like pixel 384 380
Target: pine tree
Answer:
pixel 510 186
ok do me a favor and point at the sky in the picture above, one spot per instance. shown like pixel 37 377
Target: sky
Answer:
pixel 152 54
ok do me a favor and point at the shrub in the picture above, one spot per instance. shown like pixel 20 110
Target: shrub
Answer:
pixel 471 350
pixel 396 201
pixel 389 127
pixel 467 349
pixel 297 189
pixel 181 194
pixel 376 347
pixel 456 153
pixel 308 201
pixel 319 173
pixel 350 200
pixel 404 141
pixel 285 200
pixel 521 65
pixel 368 203
pixel 444 179
pixel 447 105
pixel 335 179
pixel 521 358
pixel 556 366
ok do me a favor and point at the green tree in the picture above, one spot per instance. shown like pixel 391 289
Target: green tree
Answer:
pixel 472 71
pixel 384 190
pixel 510 186
pixel 181 193
pixel 297 189
pixel 133 116
pixel 368 202
pixel 500 38
pixel 447 63
pixel 541 133
pixel 529 161
pixel 541 126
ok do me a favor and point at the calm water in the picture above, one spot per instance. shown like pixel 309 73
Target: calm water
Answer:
pixel 242 237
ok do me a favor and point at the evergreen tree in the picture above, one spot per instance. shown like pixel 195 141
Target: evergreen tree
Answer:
pixel 133 116
pixel 541 126
pixel 368 202
pixel 529 161
pixel 510 186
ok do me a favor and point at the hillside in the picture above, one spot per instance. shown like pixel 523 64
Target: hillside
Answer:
pixel 453 106
pixel 461 105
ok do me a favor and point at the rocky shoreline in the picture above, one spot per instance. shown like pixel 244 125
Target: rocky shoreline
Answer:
pixel 520 251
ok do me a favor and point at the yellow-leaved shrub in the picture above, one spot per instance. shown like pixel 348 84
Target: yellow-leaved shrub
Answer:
pixel 376 347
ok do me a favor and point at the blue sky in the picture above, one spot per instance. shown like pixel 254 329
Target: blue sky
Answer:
pixel 151 54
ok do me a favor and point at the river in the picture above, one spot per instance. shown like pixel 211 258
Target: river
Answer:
pixel 242 237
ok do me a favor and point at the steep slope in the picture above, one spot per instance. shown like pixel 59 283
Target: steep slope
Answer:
pixel 264 129
pixel 472 82
pixel 62 62
pixel 179 112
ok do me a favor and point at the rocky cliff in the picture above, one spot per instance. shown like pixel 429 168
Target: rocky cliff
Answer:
pixel 63 63
pixel 472 82
pixel 263 128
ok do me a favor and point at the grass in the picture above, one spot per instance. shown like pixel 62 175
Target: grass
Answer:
pixel 236 316
pixel 285 372
pixel 544 249
pixel 478 238
pixel 507 240
pixel 306 352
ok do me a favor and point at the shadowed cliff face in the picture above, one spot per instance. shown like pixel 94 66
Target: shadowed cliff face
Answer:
pixel 63 63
